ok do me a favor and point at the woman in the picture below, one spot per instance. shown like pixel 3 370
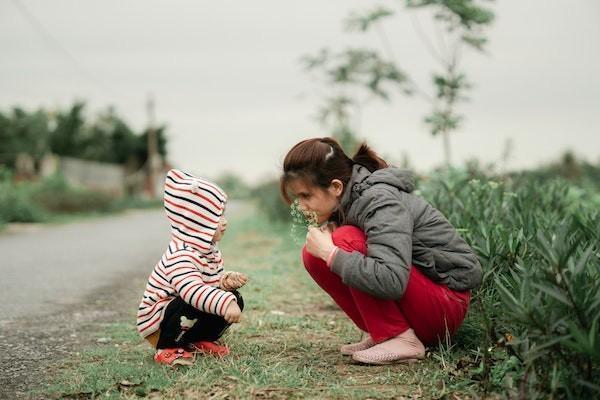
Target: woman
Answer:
pixel 393 264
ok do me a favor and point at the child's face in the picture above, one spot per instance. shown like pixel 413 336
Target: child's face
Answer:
pixel 221 228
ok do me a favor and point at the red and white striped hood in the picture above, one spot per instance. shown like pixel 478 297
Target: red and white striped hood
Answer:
pixel 194 207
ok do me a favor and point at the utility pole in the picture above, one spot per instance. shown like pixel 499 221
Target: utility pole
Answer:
pixel 153 160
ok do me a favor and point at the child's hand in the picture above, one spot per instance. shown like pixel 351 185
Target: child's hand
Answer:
pixel 233 314
pixel 233 280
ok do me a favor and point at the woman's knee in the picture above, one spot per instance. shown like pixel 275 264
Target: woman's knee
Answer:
pixel 350 238
pixel 310 262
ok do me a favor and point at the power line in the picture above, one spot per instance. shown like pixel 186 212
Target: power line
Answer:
pixel 58 47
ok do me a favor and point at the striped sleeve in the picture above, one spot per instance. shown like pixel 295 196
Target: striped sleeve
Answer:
pixel 187 280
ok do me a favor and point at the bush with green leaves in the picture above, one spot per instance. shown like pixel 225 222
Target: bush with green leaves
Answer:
pixel 55 195
pixel 539 247
pixel 554 306
pixel 269 201
pixel 38 201
pixel 16 204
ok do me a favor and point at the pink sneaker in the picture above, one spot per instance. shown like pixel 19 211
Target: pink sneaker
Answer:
pixel 349 349
pixel 405 347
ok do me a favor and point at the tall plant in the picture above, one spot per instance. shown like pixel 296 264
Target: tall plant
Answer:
pixel 358 75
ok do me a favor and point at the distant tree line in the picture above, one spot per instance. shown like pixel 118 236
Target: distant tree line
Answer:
pixel 105 138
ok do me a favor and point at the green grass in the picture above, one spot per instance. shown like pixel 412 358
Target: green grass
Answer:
pixel 287 346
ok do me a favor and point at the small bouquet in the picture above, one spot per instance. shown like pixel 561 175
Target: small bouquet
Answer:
pixel 301 221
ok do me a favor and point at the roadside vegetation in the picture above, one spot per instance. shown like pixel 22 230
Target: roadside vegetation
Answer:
pixel 53 200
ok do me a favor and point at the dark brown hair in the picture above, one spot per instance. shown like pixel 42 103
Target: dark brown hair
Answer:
pixel 320 160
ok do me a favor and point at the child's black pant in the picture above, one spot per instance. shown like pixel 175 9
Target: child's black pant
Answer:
pixel 183 324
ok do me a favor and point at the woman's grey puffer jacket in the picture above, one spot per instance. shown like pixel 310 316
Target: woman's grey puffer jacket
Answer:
pixel 402 229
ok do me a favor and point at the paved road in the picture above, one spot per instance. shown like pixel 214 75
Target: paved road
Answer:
pixel 49 266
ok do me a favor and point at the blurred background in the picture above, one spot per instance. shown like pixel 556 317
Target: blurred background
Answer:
pixel 107 95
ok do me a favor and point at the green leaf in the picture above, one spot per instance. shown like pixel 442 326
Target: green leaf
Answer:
pixel 362 22
pixel 553 292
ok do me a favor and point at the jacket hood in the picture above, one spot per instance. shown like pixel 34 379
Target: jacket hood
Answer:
pixel 402 179
pixel 194 207
pixel 362 179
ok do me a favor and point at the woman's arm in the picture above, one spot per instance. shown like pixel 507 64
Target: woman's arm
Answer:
pixel 388 225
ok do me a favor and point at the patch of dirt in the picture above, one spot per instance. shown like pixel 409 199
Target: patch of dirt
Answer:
pixel 31 348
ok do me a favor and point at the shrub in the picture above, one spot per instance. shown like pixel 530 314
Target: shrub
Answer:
pixel 538 244
pixel 15 201
pixel 269 201
pixel 57 196
pixel 554 306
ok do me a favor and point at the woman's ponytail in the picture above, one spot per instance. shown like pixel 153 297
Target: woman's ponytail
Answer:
pixel 368 158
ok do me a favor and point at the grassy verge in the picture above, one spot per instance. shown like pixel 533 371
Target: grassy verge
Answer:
pixel 53 200
pixel 286 347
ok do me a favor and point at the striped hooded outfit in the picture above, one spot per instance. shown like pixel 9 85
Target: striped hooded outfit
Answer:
pixel 192 266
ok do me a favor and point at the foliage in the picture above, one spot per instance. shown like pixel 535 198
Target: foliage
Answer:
pixel 22 132
pixel 582 173
pixel 55 195
pixel 301 221
pixel 539 247
pixel 233 185
pixel 16 204
pixel 555 307
pixel 269 201
pixel 376 74
pixel 52 197
pixel 106 138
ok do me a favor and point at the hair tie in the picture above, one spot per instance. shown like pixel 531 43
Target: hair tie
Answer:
pixel 330 154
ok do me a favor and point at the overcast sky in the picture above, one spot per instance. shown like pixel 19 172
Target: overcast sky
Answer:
pixel 228 83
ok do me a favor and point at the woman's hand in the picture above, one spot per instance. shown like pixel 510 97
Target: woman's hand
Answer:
pixel 233 280
pixel 319 242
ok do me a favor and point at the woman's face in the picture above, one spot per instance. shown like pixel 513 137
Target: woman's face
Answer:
pixel 314 198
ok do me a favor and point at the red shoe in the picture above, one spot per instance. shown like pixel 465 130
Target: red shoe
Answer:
pixel 210 348
pixel 175 356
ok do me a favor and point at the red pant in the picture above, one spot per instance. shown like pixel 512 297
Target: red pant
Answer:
pixel 430 309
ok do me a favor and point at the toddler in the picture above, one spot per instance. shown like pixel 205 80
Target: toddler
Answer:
pixel 189 301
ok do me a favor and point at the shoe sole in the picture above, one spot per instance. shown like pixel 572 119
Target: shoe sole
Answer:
pixel 183 363
pixel 351 352
pixel 210 353
pixel 400 361
pixel 177 363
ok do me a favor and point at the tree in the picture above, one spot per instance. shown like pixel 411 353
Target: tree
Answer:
pixel 358 75
pixel 22 132
pixel 67 136
pixel 106 138
pixel 335 113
